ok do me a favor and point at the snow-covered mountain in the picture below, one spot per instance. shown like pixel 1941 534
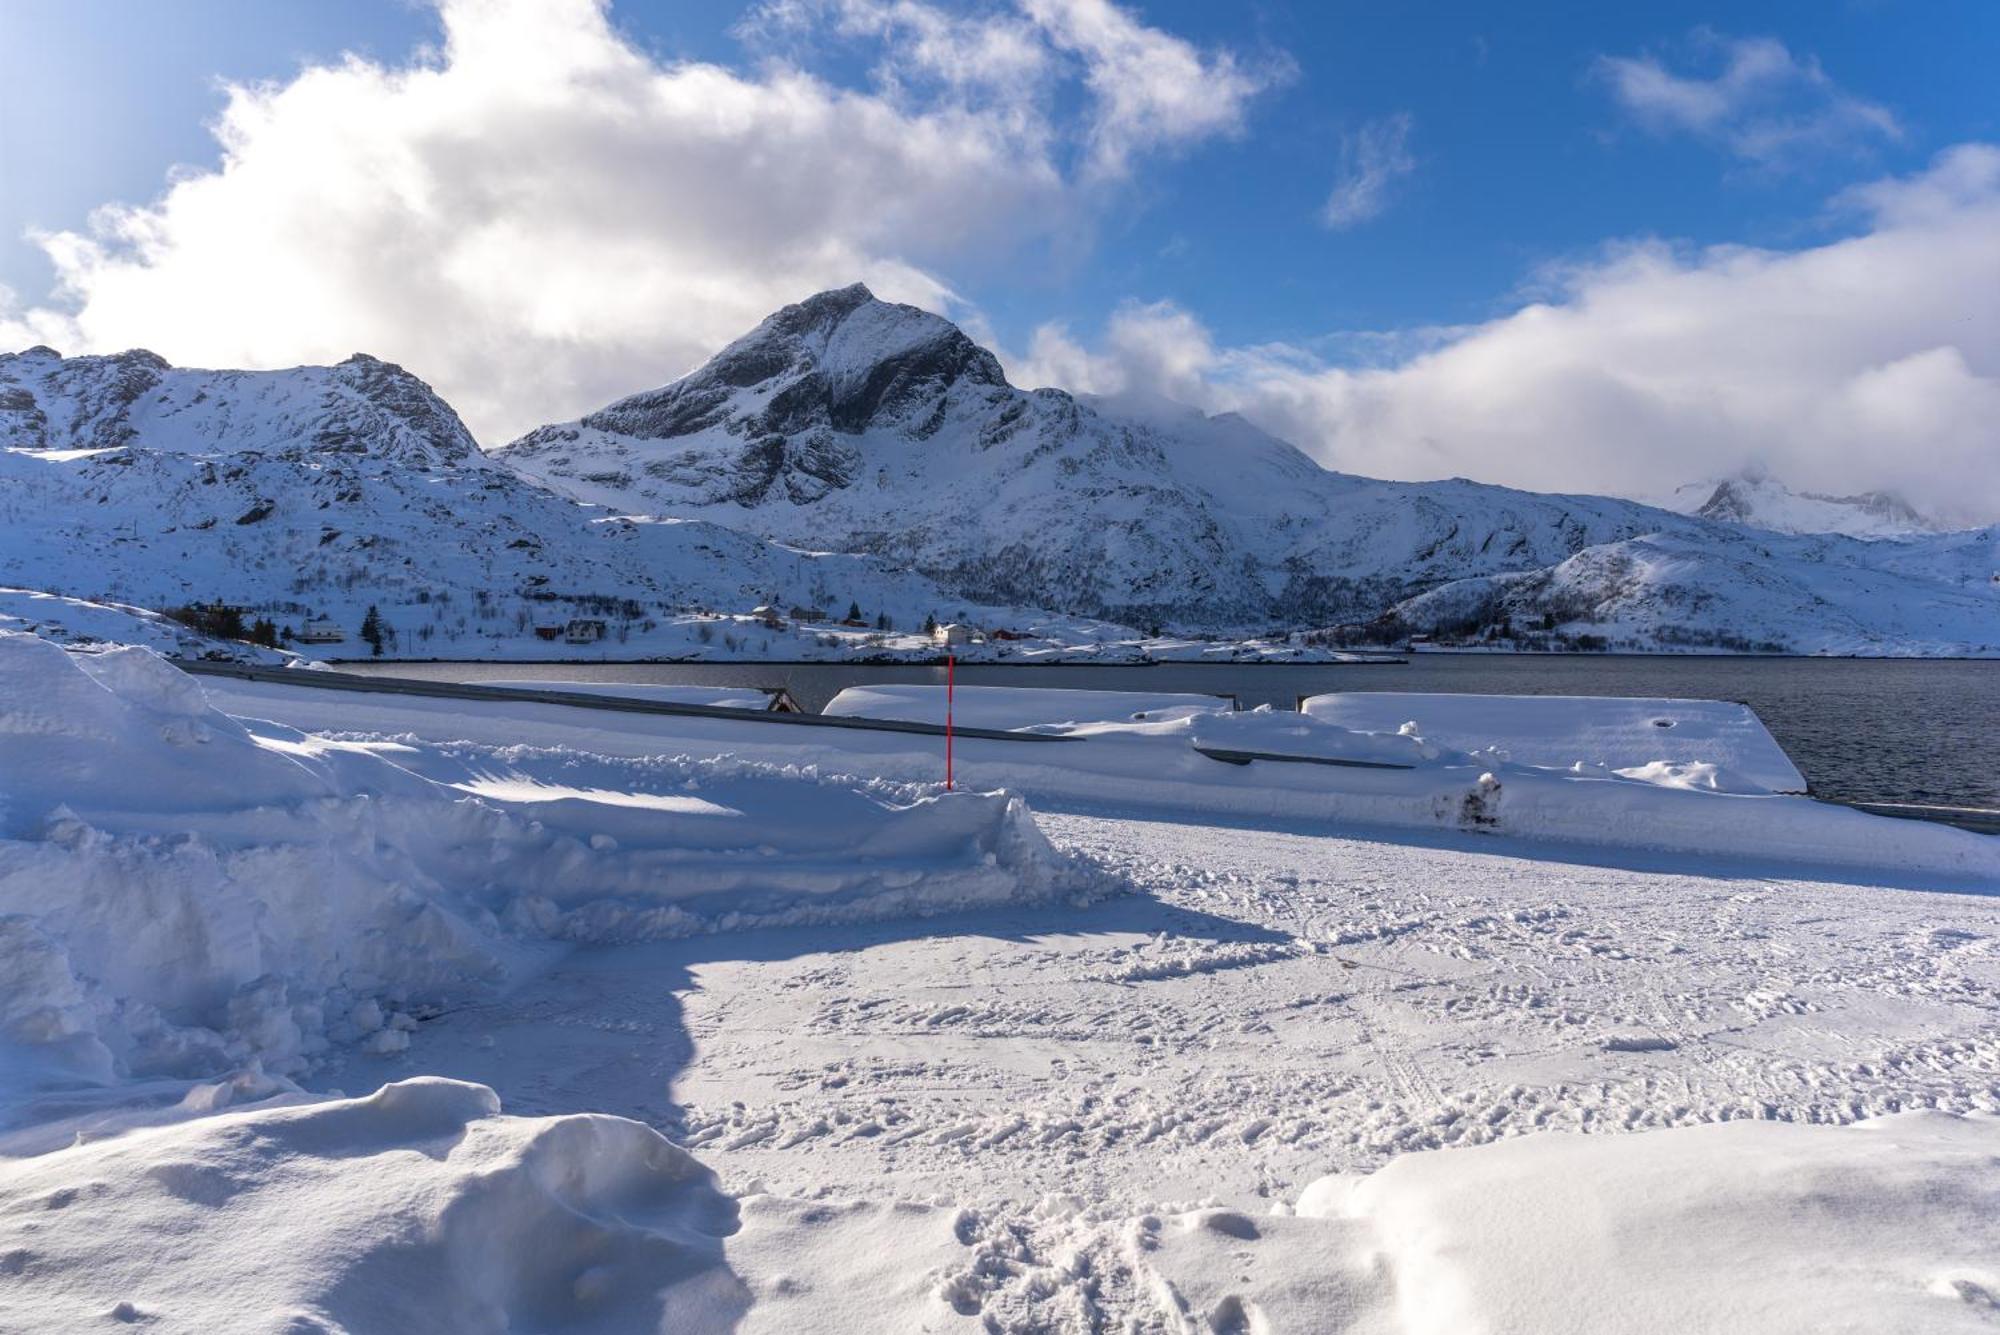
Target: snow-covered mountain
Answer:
pixel 1755 499
pixel 319 491
pixel 850 424
pixel 848 450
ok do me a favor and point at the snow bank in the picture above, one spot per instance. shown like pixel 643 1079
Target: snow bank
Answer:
pixel 80 624
pixel 715 697
pixel 1153 767
pixel 1013 707
pixel 181 894
pixel 1886 1225
pixel 1892 1224
pixel 1559 731
pixel 417 1208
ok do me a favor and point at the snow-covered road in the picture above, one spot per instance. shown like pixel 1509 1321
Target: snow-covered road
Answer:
pixel 1271 1006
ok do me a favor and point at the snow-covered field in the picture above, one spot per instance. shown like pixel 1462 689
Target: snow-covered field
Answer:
pixel 786 1039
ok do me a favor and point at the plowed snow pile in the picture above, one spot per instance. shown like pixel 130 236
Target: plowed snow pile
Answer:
pixel 180 895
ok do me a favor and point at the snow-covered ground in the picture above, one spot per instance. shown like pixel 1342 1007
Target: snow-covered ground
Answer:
pixel 76 623
pixel 1200 1047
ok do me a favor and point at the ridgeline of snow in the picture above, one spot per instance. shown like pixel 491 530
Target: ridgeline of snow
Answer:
pixel 1755 499
pixel 844 421
pixel 181 893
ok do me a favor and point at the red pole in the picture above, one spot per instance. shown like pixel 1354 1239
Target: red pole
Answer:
pixel 950 666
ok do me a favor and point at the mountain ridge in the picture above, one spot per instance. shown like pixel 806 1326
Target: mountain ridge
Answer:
pixel 884 438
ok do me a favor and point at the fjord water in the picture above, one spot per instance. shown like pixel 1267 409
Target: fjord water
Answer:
pixel 1887 730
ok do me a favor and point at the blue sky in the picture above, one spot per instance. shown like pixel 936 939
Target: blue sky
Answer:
pixel 1511 145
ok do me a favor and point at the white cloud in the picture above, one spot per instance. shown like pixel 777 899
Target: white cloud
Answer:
pixel 1152 89
pixel 1372 159
pixel 1764 104
pixel 1869 361
pixel 538 216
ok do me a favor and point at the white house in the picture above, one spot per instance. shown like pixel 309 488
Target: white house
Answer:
pixel 321 630
pixel 584 630
pixel 951 633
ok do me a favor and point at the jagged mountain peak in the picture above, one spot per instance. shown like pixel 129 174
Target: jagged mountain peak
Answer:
pixel 841 361
pixel 1756 499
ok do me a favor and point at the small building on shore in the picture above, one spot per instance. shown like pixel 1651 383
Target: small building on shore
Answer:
pixel 951 633
pixel 321 630
pixel 584 630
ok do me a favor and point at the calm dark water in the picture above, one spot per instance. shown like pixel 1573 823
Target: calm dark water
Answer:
pixel 1882 729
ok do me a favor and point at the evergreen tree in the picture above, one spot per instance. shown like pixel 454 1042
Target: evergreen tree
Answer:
pixel 854 611
pixel 930 623
pixel 882 621
pixel 371 630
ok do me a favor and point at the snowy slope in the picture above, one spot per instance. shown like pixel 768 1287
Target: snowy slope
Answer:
pixel 74 623
pixel 849 423
pixel 1757 500
pixel 1747 591
pixel 320 491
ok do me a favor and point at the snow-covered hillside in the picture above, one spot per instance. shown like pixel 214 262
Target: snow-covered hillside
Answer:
pixel 1742 591
pixel 362 406
pixel 1756 499
pixel 850 423
pixel 321 491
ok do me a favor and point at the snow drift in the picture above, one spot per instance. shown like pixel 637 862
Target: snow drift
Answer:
pixel 423 1207
pixel 1604 732
pixel 417 1208
pixel 1885 1225
pixel 181 893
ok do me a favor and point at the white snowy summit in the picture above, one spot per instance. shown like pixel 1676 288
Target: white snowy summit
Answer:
pixel 1755 499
